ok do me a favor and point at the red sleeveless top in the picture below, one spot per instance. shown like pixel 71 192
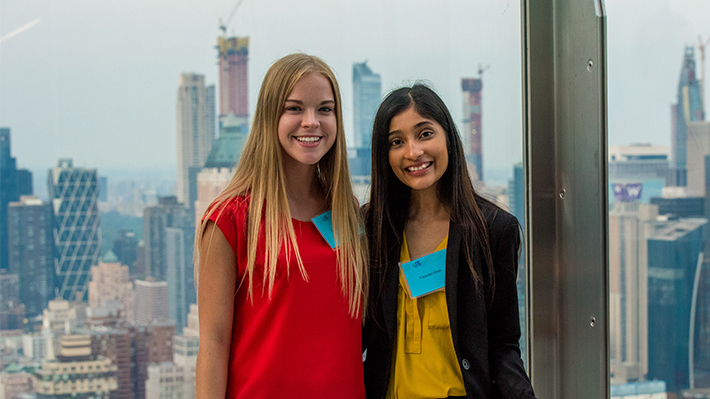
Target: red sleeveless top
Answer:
pixel 301 343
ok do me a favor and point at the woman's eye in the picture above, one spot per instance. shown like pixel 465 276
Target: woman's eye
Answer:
pixel 293 108
pixel 395 142
pixel 326 109
pixel 426 133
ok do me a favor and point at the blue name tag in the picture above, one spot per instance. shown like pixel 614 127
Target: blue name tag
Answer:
pixel 324 224
pixel 426 274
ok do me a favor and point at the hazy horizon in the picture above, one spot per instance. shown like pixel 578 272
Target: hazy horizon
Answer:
pixel 97 81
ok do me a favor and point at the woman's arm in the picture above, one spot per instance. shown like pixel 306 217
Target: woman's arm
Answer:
pixel 507 368
pixel 215 296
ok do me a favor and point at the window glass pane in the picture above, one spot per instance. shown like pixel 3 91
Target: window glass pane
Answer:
pixel 659 138
pixel 121 86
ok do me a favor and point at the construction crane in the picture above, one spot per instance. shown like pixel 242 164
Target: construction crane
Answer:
pixel 701 47
pixel 482 69
pixel 223 24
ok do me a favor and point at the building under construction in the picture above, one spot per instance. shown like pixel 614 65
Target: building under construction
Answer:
pixel 233 78
pixel 471 132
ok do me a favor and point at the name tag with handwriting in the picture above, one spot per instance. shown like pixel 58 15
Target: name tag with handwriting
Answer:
pixel 426 274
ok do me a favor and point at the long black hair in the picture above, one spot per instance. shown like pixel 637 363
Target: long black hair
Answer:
pixel 388 210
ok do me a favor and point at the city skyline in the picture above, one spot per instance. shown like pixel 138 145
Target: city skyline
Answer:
pixel 104 136
pixel 142 81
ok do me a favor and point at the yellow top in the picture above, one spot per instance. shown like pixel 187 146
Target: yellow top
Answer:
pixel 424 364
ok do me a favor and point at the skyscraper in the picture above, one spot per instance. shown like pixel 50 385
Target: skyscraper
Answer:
pixel 698 148
pixel 516 191
pixel 688 108
pixel 630 225
pixel 367 93
pixel 471 132
pixel 168 213
pixel 179 243
pixel 673 254
pixel 74 193
pixel 13 184
pixel 210 182
pixel 220 164
pixel 110 282
pixel 103 188
pixel 150 344
pixel 177 379
pixel 516 195
pixel 195 129
pixel 31 246
pixel 151 302
pixel 187 344
pixel 125 246
pixel 11 310
pixel 115 345
pixel 233 54
pixel 642 164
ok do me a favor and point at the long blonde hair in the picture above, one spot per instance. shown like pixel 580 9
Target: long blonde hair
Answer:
pixel 260 176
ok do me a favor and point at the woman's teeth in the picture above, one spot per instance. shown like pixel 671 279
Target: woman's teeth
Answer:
pixel 418 168
pixel 308 139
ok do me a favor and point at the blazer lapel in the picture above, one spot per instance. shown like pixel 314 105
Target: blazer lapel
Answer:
pixel 452 275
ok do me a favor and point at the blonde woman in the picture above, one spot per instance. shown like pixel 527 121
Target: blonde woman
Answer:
pixel 279 294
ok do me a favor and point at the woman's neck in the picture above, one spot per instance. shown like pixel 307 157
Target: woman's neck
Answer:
pixel 306 198
pixel 425 206
pixel 428 223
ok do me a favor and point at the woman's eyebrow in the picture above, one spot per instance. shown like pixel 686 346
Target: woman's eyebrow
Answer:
pixel 301 102
pixel 422 123
pixel 418 125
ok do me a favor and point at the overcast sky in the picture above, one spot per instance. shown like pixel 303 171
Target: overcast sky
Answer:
pixel 97 80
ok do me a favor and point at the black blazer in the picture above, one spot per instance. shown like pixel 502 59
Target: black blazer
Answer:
pixel 485 337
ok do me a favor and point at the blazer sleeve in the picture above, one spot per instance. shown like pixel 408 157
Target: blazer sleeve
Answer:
pixel 507 370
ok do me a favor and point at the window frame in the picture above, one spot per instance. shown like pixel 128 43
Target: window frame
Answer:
pixel 565 167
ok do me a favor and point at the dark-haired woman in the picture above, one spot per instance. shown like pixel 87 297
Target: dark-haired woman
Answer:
pixel 443 320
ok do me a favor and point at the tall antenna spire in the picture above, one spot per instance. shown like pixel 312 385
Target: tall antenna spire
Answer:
pixel 701 47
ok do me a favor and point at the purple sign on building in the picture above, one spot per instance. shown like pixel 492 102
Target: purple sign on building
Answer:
pixel 627 192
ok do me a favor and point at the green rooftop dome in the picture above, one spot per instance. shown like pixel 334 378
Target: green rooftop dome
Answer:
pixel 227 150
pixel 110 257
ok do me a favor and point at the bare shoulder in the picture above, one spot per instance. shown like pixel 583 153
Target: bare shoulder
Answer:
pixel 214 245
pixel 217 276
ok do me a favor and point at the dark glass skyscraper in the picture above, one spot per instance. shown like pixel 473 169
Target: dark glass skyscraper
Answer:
pixel 179 243
pixel 169 213
pixel 74 193
pixel 367 92
pixel 673 254
pixel 13 184
pixel 31 244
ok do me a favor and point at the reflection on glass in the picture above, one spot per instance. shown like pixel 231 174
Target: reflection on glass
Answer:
pixel 659 303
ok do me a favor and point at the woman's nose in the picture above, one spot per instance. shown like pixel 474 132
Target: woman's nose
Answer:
pixel 413 150
pixel 310 119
